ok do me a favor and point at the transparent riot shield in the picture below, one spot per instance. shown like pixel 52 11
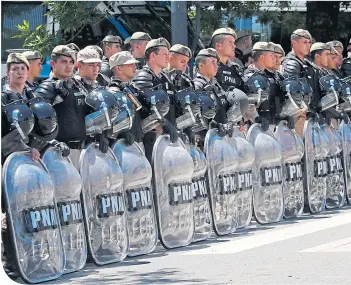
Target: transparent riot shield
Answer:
pixel 222 160
pixel 173 170
pixel 345 131
pixel 104 205
pixel 68 187
pixel 244 181
pixel 315 166
pixel 202 209
pixel 335 195
pixel 292 152
pixel 268 198
pixel 33 219
pixel 137 179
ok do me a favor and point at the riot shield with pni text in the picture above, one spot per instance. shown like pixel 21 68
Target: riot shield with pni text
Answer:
pixel 35 232
pixel 292 152
pixel 202 209
pixel 268 199
pixel 315 166
pixel 335 195
pixel 104 205
pixel 140 208
pixel 68 187
pixel 222 160
pixel 244 181
pixel 173 170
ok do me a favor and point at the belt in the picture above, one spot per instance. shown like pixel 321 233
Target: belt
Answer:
pixel 76 144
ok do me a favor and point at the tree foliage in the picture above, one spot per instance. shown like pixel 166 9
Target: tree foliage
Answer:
pixel 71 16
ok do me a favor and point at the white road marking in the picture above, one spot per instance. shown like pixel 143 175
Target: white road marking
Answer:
pixel 274 235
pixel 341 245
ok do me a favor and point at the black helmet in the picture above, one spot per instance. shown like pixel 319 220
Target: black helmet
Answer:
pixel 330 83
pixel 104 109
pixel 307 91
pixel 155 97
pixel 188 107
pixel 346 91
pixel 208 102
pixel 257 89
pixel 124 119
pixel 45 127
pixel 17 115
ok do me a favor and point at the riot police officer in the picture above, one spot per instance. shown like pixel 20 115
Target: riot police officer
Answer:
pixel 179 57
pixel 346 67
pixel 264 63
pixel 17 68
pixel 89 64
pixel 110 46
pixel 335 58
pixel 279 55
pixel 68 100
pixel 243 50
pixel 35 66
pixel 123 66
pixel 229 73
pixel 138 42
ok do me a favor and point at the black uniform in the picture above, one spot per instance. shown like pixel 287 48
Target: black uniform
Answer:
pixel 180 80
pixel 105 67
pixel 70 107
pixel 230 76
pixel 86 84
pixel 141 62
pixel 346 67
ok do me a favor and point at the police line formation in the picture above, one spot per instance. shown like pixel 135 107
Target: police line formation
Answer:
pixel 129 157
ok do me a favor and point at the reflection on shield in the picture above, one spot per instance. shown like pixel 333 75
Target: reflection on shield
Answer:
pixel 202 210
pixel 222 161
pixel 243 177
pixel 335 195
pixel 345 131
pixel 104 206
pixel 33 219
pixel 268 200
pixel 68 186
pixel 173 170
pixel 315 166
pixel 292 152
pixel 137 178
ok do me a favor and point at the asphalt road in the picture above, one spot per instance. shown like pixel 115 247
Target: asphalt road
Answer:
pixel 308 250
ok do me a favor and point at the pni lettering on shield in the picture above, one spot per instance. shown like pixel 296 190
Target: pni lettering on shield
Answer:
pixel 320 168
pixel 70 212
pixel 231 183
pixel 180 193
pixel 40 218
pixel 293 171
pixel 139 199
pixel 110 205
pixel 271 175
pixel 334 164
pixel 199 188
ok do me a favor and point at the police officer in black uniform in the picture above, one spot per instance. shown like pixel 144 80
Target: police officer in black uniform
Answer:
pixel 89 64
pixel 123 66
pixel 151 75
pixel 179 57
pixel 138 42
pixel 110 46
pixel 346 67
pixel 264 63
pixel 68 100
pixel 35 66
pixel 243 50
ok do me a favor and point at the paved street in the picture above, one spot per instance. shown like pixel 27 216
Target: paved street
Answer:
pixel 309 250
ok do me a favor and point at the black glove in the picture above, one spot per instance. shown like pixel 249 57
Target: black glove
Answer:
pixel 345 117
pixel 290 121
pixel 311 114
pixel 129 138
pixel 230 130
pixel 221 128
pixel 103 143
pixel 63 148
pixel 61 88
pixel 189 132
pixel 168 128
pixel 263 121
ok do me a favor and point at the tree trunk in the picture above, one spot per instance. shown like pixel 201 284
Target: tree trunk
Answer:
pixel 322 20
